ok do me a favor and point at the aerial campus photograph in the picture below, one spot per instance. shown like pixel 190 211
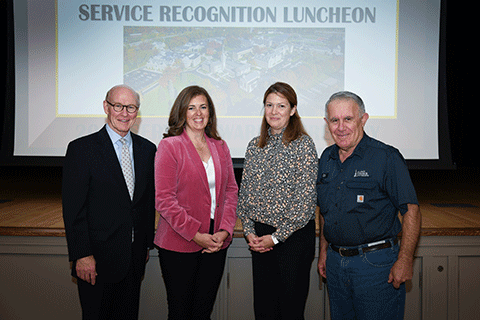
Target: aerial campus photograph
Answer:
pixel 234 64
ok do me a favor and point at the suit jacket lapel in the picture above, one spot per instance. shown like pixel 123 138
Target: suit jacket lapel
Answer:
pixel 212 146
pixel 139 163
pixel 196 161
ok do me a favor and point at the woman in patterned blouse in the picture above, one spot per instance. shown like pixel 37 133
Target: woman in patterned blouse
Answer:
pixel 276 205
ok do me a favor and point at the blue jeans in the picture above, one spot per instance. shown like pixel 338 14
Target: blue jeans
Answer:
pixel 358 286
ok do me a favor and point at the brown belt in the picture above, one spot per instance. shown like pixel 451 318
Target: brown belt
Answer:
pixel 356 251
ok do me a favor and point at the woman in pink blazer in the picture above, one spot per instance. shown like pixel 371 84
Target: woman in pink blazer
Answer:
pixel 196 196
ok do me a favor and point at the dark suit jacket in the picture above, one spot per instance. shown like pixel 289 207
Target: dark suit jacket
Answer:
pixel 97 209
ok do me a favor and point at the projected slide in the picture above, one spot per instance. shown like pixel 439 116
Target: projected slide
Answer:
pixel 65 66
pixel 238 64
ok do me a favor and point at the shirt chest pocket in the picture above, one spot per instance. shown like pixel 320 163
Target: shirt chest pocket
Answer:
pixel 325 193
pixel 360 193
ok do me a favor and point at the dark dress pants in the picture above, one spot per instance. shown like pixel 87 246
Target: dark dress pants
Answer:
pixel 192 281
pixel 111 300
pixel 281 276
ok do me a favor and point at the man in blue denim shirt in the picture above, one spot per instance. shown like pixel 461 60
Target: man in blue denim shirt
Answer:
pixel 362 185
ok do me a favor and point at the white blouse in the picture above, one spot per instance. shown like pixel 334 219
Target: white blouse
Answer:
pixel 210 169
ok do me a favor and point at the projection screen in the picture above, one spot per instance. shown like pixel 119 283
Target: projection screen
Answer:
pixel 69 53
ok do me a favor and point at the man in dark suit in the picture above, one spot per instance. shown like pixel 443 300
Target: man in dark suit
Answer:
pixel 109 210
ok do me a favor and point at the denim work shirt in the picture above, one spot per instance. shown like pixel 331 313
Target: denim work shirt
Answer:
pixel 360 198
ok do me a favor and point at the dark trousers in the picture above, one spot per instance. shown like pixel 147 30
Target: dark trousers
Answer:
pixel 281 277
pixel 111 300
pixel 192 281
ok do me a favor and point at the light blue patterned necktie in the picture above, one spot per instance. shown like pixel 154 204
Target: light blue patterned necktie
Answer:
pixel 127 167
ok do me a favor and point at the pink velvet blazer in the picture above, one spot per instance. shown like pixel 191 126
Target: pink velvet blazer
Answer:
pixel 182 195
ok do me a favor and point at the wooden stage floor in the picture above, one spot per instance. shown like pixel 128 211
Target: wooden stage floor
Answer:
pixel 30 201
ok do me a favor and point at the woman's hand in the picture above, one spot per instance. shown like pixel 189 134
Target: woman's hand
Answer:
pixel 260 244
pixel 210 243
pixel 220 236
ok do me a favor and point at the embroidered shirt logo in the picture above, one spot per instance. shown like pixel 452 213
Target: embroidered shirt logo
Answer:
pixel 361 173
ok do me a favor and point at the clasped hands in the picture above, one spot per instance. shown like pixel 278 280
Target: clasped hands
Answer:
pixel 260 244
pixel 211 242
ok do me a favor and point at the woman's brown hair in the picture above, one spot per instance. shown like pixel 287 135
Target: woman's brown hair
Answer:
pixel 294 128
pixel 178 113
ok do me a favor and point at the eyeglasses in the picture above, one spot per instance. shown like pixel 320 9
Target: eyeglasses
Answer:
pixel 119 107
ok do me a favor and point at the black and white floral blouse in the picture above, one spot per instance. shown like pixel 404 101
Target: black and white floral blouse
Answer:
pixel 278 185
